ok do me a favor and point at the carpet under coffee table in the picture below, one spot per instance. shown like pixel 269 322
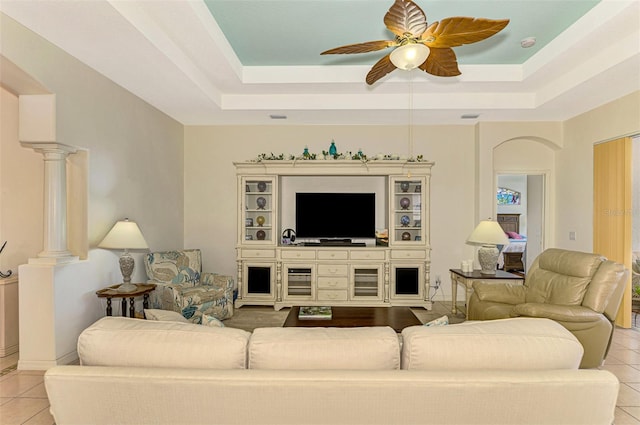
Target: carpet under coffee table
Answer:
pixel 397 318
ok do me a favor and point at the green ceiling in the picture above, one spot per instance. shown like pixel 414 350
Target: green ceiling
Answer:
pixel 294 32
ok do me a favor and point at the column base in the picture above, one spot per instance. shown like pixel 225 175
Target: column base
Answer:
pixel 54 260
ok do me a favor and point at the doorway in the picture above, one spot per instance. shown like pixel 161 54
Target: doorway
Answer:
pixel 525 201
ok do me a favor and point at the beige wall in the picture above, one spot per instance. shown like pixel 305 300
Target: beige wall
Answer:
pixel 135 168
pixel 574 166
pixel 210 181
pixel 21 185
pixel 463 182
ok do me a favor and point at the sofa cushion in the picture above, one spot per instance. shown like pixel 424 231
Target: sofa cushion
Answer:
pixel 121 341
pixel 519 343
pixel 372 348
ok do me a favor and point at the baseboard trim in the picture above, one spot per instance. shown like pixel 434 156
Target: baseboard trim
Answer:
pixel 70 358
pixel 7 351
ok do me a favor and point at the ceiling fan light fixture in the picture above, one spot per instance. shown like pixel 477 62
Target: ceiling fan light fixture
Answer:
pixel 409 56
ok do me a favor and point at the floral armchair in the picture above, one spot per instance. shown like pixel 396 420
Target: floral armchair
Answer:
pixel 182 287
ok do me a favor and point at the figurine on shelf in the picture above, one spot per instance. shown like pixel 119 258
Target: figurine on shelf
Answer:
pixel 332 149
pixel 261 202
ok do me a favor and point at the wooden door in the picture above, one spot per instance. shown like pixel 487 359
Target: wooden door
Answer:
pixel 612 191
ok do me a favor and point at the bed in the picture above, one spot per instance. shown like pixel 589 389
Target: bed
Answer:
pixel 512 256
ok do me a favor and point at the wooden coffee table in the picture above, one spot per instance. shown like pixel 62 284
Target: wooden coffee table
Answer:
pixel 397 318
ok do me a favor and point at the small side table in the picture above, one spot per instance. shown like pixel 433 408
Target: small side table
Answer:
pixel 458 277
pixel 142 289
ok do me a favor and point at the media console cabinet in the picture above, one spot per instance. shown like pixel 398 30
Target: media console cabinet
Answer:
pixel 271 272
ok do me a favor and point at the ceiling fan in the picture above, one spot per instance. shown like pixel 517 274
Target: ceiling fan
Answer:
pixel 418 46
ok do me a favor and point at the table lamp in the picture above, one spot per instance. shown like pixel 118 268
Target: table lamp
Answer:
pixel 488 234
pixel 125 235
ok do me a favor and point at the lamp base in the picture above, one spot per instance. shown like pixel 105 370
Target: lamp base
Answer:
pixel 127 287
pixel 126 266
pixel 488 259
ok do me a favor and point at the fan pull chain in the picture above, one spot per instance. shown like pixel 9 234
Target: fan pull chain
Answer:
pixel 410 118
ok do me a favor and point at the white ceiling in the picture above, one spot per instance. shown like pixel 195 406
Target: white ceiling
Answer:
pixel 174 55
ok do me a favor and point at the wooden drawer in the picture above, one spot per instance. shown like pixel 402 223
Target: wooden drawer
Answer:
pixel 367 255
pixel 406 254
pixel 298 254
pixel 333 270
pixel 333 255
pixel 338 282
pixel 332 295
pixel 258 253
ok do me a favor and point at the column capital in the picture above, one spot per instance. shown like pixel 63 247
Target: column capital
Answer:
pixel 50 147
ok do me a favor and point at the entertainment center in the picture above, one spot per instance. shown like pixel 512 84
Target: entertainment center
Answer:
pixel 307 233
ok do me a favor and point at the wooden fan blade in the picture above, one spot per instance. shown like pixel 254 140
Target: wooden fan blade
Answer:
pixel 459 30
pixel 369 46
pixel 380 69
pixel 405 16
pixel 441 62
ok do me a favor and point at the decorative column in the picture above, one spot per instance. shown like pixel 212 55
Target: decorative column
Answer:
pixel 55 199
pixel 37 130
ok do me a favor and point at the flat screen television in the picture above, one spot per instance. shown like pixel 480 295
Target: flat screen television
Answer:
pixel 335 215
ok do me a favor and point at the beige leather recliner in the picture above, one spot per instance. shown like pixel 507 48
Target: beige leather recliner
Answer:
pixel 579 290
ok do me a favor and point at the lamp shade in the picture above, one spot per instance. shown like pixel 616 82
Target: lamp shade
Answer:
pixel 488 233
pixel 124 234
pixel 409 56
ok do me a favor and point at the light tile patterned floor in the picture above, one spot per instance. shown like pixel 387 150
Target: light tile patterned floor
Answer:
pixel 23 399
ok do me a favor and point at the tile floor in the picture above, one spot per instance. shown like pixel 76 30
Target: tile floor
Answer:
pixel 23 399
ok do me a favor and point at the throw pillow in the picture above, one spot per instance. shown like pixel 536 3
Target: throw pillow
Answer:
pixel 440 321
pixel 514 235
pixel 164 315
pixel 211 321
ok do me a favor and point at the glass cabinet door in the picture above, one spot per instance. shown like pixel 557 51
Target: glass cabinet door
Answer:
pixel 406 210
pixel 258 210
pixel 299 282
pixel 366 282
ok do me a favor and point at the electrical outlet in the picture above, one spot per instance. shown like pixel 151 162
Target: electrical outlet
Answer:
pixel 438 282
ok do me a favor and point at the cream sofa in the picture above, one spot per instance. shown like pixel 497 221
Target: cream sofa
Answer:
pixel 511 371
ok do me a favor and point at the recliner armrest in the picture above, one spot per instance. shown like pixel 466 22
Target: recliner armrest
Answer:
pixel 506 293
pixel 562 313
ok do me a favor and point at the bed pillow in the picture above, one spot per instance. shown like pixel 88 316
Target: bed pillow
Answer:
pixel 513 235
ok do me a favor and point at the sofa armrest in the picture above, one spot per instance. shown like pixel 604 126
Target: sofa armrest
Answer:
pixel 500 292
pixel 562 313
